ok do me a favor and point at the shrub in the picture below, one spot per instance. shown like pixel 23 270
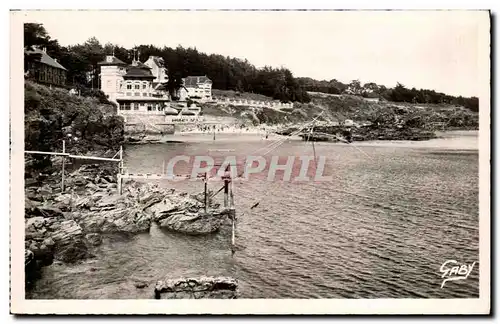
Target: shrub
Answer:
pixel 52 114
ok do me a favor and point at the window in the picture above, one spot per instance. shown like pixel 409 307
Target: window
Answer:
pixel 144 85
pixel 129 86
pixel 150 107
pixel 160 107
pixel 137 94
pixel 124 106
pixel 128 94
pixel 137 86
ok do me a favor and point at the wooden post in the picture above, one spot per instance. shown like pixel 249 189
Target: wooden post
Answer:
pixel 233 232
pixel 120 170
pixel 121 159
pixel 63 162
pixel 226 192
pixel 206 187
pixel 119 178
pixel 231 194
pixel 233 213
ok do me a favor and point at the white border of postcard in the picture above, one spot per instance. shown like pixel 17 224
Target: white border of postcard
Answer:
pixel 19 304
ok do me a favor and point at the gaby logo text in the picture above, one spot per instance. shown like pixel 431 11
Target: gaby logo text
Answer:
pixel 452 270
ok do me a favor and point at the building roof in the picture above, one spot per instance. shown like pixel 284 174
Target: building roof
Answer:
pixel 158 60
pixel 141 65
pixel 138 72
pixel 46 59
pixel 112 60
pixel 159 86
pixel 193 81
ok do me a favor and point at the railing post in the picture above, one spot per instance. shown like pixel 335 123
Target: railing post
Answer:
pixel 63 162
pixel 233 215
pixel 226 192
pixel 120 170
pixel 206 196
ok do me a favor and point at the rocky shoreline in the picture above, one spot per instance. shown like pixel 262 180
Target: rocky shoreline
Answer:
pixel 359 134
pixel 65 227
pixel 196 288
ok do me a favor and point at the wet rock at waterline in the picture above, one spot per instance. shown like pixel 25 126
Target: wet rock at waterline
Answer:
pixel 194 223
pixel 126 220
pixel 94 239
pixel 67 226
pixel 197 288
pixel 69 242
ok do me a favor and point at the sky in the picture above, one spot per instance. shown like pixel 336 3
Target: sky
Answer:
pixel 438 50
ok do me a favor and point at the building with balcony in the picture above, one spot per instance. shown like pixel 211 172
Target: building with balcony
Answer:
pixel 199 88
pixel 135 88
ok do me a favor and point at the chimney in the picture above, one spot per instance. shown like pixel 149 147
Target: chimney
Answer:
pixel 44 49
pixel 55 60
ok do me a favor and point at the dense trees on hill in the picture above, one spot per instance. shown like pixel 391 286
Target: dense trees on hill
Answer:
pixel 398 94
pixel 226 73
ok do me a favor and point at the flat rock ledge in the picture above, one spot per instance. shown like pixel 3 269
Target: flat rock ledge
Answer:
pixel 197 288
pixel 195 223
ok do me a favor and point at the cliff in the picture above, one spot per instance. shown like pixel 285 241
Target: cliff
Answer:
pixel 338 108
pixel 52 115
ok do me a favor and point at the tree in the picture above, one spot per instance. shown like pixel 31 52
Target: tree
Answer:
pixel 225 72
pixel 174 84
pixel 355 88
pixel 35 35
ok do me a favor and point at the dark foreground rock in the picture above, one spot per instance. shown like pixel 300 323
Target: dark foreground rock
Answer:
pixel 67 226
pixel 197 288
pixel 69 242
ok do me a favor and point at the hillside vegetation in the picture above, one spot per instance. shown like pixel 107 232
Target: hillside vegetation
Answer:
pixel 227 73
pixel 342 107
pixel 52 115
pixel 232 94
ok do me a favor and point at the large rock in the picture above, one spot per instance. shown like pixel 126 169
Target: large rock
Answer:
pixel 94 239
pixel 197 288
pixel 195 223
pixel 69 242
pixel 125 220
pixel 34 209
pixel 172 205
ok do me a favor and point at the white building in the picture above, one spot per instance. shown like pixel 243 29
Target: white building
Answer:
pixel 199 88
pixel 158 69
pixel 112 72
pixel 133 87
